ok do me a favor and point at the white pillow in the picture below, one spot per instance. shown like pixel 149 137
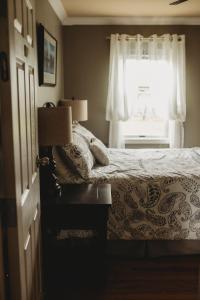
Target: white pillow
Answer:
pixel 99 151
pixel 85 133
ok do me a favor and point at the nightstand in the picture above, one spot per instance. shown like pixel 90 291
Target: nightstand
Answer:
pixel 81 206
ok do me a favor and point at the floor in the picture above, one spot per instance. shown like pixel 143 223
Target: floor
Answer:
pixel 78 276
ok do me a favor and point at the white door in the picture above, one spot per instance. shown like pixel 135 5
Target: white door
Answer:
pixel 19 148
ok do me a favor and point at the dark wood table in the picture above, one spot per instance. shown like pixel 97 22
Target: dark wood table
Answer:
pixel 81 206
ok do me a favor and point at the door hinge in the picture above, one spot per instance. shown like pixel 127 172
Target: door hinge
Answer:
pixel 4 72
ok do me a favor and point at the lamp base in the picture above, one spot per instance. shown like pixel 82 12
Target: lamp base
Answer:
pixel 49 186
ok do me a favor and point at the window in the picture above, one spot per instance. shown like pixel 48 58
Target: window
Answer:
pixel 146 87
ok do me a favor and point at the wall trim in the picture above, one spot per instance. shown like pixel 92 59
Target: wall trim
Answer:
pixel 67 21
pixel 59 10
pixel 132 21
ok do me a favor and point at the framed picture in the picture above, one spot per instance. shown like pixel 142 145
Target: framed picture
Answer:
pixel 47 57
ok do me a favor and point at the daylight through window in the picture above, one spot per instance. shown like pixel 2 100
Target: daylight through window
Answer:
pixel 146 85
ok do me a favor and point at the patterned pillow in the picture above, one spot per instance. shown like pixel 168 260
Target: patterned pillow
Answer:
pixel 79 154
pixel 67 162
pixel 64 172
pixel 99 151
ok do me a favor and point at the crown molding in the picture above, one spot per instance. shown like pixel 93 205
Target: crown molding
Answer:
pixel 59 10
pixel 132 21
pixel 67 21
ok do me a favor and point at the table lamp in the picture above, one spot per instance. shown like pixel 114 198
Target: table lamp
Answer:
pixel 54 129
pixel 79 108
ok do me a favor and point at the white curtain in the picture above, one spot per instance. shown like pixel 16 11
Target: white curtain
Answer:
pixel 121 100
pixel 119 106
pixel 116 139
pixel 177 99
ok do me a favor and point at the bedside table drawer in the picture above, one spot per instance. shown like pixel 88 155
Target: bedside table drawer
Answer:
pixel 79 217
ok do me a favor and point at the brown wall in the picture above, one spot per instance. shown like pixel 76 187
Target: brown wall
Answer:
pixel 48 18
pixel 86 65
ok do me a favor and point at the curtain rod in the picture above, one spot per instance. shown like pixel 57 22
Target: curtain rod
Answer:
pixel 144 39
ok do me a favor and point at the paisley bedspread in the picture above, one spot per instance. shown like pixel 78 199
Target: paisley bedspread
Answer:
pixel 155 193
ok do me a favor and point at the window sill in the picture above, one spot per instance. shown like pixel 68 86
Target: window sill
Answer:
pixel 146 140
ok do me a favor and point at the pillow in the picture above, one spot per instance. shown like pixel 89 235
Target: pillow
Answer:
pixel 99 151
pixel 78 153
pixel 85 133
pixel 64 173
pixel 66 160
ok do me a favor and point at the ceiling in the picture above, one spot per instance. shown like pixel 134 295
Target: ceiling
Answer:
pixel 130 8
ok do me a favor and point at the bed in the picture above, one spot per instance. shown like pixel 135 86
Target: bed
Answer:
pixel 155 192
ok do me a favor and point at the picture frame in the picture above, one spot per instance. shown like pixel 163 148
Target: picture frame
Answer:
pixel 47 57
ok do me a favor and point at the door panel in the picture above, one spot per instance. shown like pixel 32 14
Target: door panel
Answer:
pixel 24 166
pixel 36 253
pixel 28 266
pixel 29 207
pixel 31 242
pixel 18 15
pixel 33 121
pixel 29 15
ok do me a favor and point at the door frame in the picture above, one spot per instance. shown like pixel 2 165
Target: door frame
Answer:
pixel 3 257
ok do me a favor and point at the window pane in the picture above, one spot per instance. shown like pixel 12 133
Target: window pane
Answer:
pixel 147 84
pixel 147 87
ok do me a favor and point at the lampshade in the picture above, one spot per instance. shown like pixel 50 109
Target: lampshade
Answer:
pixel 54 126
pixel 79 108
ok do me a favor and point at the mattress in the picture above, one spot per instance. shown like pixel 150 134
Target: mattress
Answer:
pixel 155 193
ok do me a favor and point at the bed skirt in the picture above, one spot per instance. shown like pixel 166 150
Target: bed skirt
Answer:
pixel 139 249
